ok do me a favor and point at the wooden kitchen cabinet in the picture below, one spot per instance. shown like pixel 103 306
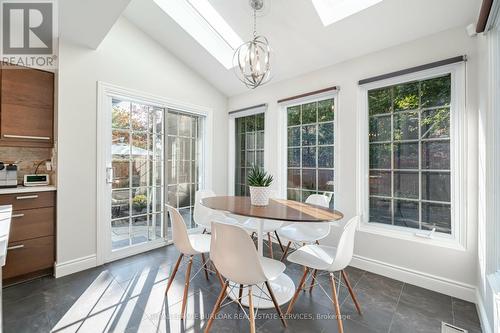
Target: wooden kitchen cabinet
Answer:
pixel 26 107
pixel 31 248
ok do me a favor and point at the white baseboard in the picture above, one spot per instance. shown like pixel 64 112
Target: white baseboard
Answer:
pixel 428 281
pixel 483 317
pixel 75 265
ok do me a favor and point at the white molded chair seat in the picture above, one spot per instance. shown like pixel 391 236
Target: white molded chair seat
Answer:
pixel 305 232
pixel 236 259
pixel 188 245
pixel 200 243
pixel 318 257
pixel 330 259
pixel 272 268
pixel 267 225
pixel 203 215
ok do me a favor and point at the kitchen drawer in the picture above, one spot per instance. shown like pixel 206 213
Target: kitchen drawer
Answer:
pixel 32 223
pixel 29 256
pixel 29 200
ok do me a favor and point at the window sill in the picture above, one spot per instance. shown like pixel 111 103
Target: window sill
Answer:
pixel 409 235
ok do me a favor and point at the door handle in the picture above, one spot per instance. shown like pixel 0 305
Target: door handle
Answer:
pixel 109 175
pixel 26 137
pixel 27 197
pixel 15 247
pixel 17 215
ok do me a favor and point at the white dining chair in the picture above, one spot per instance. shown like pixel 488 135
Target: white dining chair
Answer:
pixel 328 259
pixel 236 259
pixel 203 215
pixel 306 233
pixel 270 228
pixel 188 245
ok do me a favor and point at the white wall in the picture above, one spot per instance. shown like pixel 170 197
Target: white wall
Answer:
pixel 128 58
pixel 442 269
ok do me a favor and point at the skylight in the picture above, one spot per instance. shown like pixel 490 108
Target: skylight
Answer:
pixel 331 11
pixel 200 19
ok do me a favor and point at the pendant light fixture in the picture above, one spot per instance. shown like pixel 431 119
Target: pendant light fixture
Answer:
pixel 252 59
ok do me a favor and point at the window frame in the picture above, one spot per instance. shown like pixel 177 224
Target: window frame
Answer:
pixel 238 151
pixel 262 108
pixel 283 140
pixel 458 161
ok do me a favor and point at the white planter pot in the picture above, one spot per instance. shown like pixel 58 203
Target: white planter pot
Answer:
pixel 259 196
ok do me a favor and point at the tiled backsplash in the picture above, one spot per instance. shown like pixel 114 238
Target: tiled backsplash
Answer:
pixel 28 159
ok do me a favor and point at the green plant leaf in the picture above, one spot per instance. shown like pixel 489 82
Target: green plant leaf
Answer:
pixel 259 177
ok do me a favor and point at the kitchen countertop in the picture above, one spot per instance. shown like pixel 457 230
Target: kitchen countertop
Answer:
pixel 27 189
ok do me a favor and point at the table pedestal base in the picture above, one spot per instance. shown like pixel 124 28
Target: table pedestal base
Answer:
pixel 283 289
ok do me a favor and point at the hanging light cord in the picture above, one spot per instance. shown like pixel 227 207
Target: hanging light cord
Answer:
pixel 254 23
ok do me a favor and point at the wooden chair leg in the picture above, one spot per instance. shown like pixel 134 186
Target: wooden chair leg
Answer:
pixel 351 291
pixel 172 276
pixel 204 263
pixel 297 292
pixel 216 307
pixel 240 293
pixel 221 280
pixel 336 305
pixel 283 256
pixel 186 288
pixel 251 313
pixel 313 280
pixel 276 305
pixel 270 243
pixel 279 240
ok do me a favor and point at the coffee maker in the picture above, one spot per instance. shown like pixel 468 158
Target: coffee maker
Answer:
pixel 8 175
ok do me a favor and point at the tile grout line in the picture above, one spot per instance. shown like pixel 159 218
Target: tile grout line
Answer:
pixel 354 287
pixel 452 311
pixel 397 304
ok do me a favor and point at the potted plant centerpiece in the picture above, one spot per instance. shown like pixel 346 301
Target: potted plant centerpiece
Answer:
pixel 259 181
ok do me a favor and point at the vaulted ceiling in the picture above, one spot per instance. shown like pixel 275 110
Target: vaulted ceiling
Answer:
pixel 300 42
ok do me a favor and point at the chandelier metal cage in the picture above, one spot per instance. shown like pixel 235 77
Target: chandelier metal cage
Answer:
pixel 252 59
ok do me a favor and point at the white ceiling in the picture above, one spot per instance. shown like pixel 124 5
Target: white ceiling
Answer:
pixel 299 40
pixel 88 22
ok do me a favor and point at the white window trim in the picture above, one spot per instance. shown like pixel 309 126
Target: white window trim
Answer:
pixel 493 160
pixel 282 143
pixel 105 92
pixel 232 143
pixel 458 152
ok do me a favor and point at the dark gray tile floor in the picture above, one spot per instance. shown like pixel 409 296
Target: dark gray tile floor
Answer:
pixel 129 296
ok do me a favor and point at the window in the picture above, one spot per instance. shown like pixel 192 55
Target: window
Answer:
pixel 184 134
pixel 310 161
pixel 410 154
pixel 331 11
pixel 249 149
pixel 202 21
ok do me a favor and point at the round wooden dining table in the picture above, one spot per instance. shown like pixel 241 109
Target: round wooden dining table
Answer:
pixel 287 211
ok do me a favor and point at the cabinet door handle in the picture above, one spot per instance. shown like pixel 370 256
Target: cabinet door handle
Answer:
pixel 15 247
pixel 27 197
pixel 17 215
pixel 12 136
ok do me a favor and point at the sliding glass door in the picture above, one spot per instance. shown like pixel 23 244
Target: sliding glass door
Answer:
pixel 153 155
pixel 137 196
pixel 184 155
